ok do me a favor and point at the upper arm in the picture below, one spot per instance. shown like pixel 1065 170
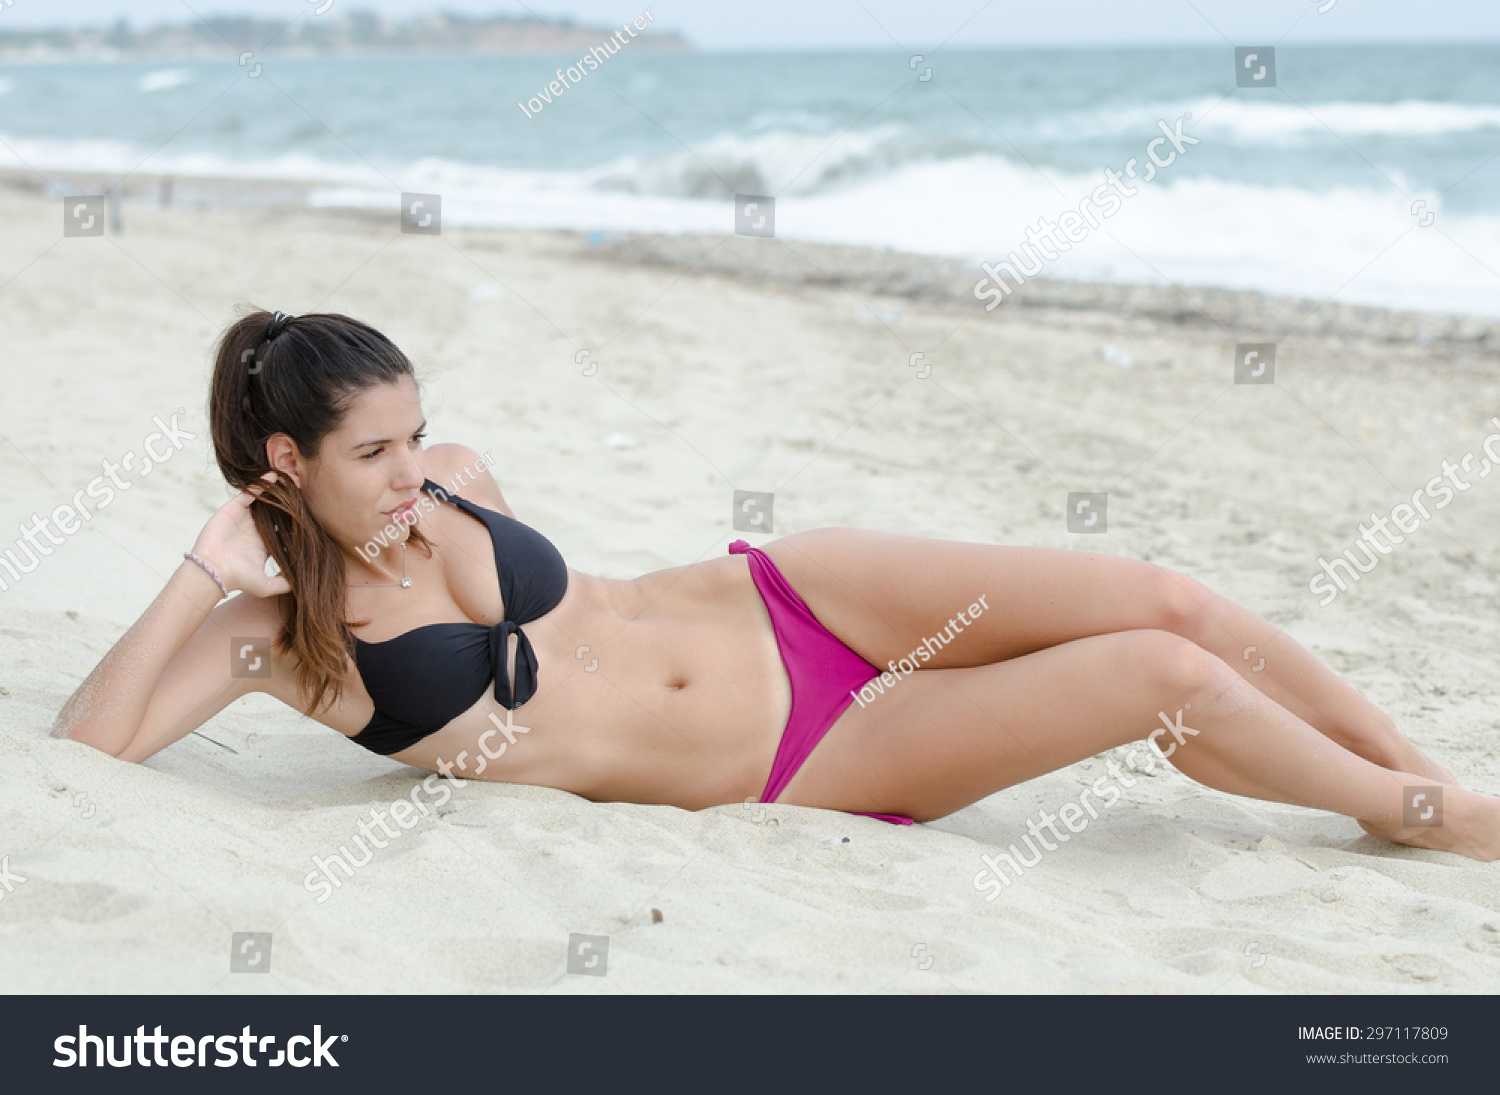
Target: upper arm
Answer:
pixel 216 666
pixel 466 473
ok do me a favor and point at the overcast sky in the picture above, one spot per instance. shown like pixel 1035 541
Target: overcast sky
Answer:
pixel 763 24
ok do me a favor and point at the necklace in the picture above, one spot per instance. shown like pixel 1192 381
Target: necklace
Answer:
pixel 404 583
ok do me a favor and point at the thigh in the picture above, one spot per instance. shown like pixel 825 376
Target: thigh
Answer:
pixel 883 594
pixel 942 739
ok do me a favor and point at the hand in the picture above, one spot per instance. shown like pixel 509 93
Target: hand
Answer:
pixel 231 544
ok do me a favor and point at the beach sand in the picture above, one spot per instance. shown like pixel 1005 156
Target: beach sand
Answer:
pixel 759 365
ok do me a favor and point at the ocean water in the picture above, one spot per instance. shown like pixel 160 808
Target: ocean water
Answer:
pixel 1368 174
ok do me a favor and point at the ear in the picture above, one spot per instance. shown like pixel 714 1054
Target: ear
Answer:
pixel 282 455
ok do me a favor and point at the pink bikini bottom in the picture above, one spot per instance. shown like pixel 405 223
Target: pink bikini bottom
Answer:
pixel 824 673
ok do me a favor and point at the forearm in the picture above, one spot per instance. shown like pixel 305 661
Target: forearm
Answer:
pixel 110 705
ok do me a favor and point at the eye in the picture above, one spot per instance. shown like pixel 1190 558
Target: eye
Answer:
pixel 419 437
pixel 373 453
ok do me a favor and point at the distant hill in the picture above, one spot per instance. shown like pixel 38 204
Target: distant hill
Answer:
pixel 329 35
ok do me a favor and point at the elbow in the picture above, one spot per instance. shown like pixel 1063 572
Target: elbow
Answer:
pixel 80 732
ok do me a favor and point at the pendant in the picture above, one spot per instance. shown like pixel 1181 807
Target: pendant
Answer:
pixel 405 583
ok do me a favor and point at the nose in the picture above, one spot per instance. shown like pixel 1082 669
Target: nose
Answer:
pixel 408 474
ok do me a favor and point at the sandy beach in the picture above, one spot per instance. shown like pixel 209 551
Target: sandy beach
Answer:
pixel 627 386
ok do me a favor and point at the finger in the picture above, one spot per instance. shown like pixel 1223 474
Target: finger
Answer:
pixel 277 586
pixel 253 491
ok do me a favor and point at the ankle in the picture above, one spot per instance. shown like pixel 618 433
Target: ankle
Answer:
pixel 1385 746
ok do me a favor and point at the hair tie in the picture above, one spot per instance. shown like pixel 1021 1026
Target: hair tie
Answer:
pixel 277 325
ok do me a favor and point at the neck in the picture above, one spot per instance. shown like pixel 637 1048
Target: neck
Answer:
pixel 384 564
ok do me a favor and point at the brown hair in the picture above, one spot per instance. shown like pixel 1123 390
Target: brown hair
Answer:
pixel 301 383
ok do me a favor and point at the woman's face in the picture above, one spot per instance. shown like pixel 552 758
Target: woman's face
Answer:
pixel 364 482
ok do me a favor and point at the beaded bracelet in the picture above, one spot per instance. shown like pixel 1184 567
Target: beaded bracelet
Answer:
pixel 212 573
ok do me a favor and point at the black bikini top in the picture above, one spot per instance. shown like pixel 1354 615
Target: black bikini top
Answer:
pixel 424 679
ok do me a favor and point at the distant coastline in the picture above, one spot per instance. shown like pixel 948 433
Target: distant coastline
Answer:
pixel 356 34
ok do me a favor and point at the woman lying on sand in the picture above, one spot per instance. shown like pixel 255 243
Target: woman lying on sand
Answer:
pixel 405 583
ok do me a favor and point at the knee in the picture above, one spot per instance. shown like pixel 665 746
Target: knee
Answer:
pixel 1178 604
pixel 1178 669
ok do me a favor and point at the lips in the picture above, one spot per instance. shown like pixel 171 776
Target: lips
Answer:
pixel 400 512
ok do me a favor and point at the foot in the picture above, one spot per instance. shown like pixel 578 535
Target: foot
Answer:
pixel 1398 754
pixel 1441 773
pixel 1471 827
pixel 1418 763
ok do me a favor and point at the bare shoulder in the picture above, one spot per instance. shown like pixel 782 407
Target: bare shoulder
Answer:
pixel 466 472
